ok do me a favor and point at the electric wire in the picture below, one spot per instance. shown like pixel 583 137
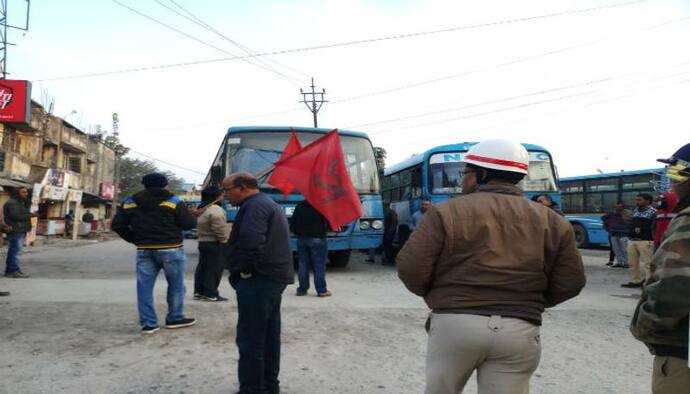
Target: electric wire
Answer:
pixel 200 22
pixel 508 108
pixel 510 98
pixel 342 44
pixel 244 59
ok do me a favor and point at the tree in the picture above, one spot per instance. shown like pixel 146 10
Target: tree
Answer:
pixel 131 172
pixel 380 156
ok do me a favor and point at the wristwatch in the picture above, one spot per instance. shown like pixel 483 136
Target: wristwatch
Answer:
pixel 245 276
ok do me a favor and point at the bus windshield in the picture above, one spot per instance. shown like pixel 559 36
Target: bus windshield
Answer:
pixel 257 151
pixel 445 175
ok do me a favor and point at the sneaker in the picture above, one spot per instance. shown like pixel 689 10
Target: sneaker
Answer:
pixel 619 266
pixel 149 330
pixel 186 322
pixel 610 263
pixel 325 294
pixel 4 293
pixel 16 275
pixel 213 299
pixel 197 296
pixel 632 285
pixel 300 293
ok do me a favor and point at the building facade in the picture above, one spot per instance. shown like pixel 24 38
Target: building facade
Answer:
pixel 64 169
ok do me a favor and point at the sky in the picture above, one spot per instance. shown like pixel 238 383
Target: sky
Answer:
pixel 603 85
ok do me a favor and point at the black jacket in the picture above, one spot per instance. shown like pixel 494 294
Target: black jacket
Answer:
pixel 153 219
pixel 17 215
pixel 260 241
pixel 307 222
pixel 642 224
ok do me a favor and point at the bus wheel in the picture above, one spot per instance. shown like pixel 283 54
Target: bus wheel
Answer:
pixel 339 258
pixel 580 236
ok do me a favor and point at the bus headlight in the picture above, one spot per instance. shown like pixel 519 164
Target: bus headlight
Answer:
pixel 377 224
pixel 364 225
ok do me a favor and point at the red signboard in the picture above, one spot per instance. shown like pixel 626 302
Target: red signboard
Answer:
pixel 15 101
pixel 107 191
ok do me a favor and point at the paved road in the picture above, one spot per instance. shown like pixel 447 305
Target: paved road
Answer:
pixel 72 328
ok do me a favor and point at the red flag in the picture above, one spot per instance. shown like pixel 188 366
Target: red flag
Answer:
pixel 293 146
pixel 318 171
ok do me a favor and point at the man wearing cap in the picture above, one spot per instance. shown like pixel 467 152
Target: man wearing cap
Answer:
pixel 153 220
pixel 661 316
pixel 487 264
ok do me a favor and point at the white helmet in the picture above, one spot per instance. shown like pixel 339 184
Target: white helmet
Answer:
pixel 504 155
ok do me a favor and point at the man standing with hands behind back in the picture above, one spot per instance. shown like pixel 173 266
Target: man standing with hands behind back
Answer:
pixel 260 269
pixel 487 264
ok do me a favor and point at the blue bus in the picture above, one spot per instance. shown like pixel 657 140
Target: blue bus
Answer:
pixel 254 149
pixel 192 202
pixel 585 199
pixel 436 174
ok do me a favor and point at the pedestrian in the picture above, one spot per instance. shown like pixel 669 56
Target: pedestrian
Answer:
pixel 213 232
pixel 487 264
pixel 417 216
pixel 153 220
pixel 18 217
pixel 69 222
pixel 390 226
pixel 547 201
pixel 661 316
pixel 87 217
pixel 664 206
pixel 641 243
pixel 3 229
pixel 310 228
pixel 617 223
pixel 260 269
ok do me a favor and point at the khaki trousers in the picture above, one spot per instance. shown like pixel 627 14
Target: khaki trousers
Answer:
pixel 640 252
pixel 504 351
pixel 671 375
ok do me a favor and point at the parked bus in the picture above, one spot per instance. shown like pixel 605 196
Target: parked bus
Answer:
pixel 436 174
pixel 587 198
pixel 255 149
pixel 192 202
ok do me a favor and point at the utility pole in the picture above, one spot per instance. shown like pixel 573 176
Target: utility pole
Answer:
pixel 118 154
pixel 313 105
pixel 3 34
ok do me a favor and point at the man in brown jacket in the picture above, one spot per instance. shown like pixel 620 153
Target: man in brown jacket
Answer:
pixel 213 232
pixel 487 264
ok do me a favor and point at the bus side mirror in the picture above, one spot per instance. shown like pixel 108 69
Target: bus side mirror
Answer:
pixel 216 175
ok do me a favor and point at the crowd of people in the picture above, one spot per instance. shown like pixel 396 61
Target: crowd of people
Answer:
pixel 487 265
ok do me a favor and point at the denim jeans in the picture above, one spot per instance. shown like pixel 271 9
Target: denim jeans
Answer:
pixel 312 255
pixel 16 242
pixel 258 334
pixel 619 245
pixel 149 263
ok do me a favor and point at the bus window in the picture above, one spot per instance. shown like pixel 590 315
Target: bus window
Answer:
pixel 445 173
pixel 608 201
pixel 406 192
pixel 395 194
pixel 594 203
pixel 539 174
pixel 417 182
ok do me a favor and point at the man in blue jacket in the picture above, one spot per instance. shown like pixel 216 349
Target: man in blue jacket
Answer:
pixel 153 220
pixel 260 269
